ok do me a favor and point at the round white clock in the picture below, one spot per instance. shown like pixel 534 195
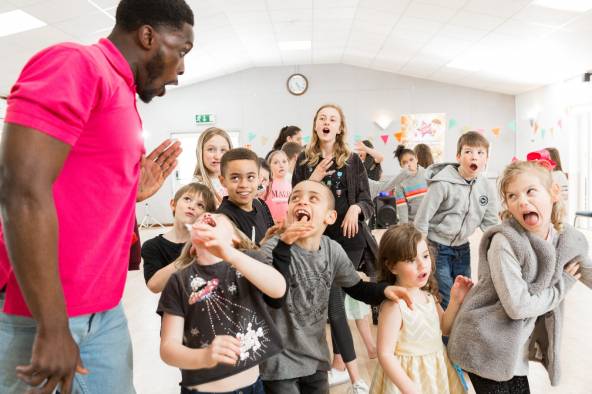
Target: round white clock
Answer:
pixel 297 84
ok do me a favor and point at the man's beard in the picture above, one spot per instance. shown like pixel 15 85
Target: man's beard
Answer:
pixel 154 69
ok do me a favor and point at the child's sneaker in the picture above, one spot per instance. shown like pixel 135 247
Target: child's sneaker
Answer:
pixel 337 377
pixel 360 387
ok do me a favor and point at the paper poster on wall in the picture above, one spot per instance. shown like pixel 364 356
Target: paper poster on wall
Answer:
pixel 429 129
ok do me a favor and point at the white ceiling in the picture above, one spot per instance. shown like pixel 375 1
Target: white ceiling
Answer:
pixel 515 46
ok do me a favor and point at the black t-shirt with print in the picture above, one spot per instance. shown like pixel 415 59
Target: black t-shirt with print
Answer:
pixel 217 300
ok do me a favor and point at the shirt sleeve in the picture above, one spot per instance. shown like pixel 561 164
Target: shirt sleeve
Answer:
pixel 345 274
pixel 363 199
pixel 55 93
pixel 173 299
pixel 153 259
pixel 401 202
pixel 512 290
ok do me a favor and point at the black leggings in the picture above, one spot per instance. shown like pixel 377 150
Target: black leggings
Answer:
pixel 516 385
pixel 341 337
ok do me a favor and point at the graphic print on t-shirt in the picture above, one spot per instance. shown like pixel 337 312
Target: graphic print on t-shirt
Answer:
pixel 308 290
pixel 222 312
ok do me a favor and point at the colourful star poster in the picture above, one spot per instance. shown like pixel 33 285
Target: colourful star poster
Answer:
pixel 429 129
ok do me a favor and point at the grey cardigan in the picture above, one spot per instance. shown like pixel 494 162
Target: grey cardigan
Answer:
pixel 485 336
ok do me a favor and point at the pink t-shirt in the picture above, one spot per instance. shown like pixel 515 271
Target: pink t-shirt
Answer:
pixel 84 96
pixel 277 199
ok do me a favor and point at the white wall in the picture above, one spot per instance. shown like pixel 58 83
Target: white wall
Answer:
pixel 548 106
pixel 257 101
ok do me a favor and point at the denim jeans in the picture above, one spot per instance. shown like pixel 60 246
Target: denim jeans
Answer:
pixel 105 349
pixel 450 261
pixel 255 388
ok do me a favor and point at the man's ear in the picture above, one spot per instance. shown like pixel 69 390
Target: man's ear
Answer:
pixel 146 37
pixel 330 217
pixel 173 205
pixel 555 192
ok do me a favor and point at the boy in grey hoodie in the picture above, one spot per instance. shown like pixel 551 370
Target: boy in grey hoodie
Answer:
pixel 457 202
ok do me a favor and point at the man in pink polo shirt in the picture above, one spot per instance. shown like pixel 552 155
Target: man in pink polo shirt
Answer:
pixel 69 167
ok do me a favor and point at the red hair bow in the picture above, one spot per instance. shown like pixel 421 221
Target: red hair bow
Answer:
pixel 542 157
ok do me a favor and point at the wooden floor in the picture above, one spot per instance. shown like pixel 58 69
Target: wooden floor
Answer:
pixel 152 376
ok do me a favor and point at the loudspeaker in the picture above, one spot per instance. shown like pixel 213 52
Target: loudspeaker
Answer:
pixel 385 211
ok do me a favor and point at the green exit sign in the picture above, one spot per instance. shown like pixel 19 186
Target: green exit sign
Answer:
pixel 205 118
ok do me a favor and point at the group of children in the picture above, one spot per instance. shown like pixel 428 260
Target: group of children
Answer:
pixel 246 291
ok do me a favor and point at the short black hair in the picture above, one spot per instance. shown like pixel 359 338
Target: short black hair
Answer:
pixel 131 14
pixel 237 154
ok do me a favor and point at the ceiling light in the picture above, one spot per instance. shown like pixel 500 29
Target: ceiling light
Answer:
pixel 565 5
pixel 17 21
pixel 294 45
pixel 383 121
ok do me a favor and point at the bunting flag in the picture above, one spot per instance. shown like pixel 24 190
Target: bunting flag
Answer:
pixel 384 138
pixel 496 131
pixel 264 140
pixel 531 121
pixel 481 130
pixel 252 136
pixel 543 132
pixel 451 123
pixel 512 125
pixel 560 123
pixel 399 135
pixel 536 127
pixel 357 138
pixel 552 131
pixel 306 139
pixel 248 146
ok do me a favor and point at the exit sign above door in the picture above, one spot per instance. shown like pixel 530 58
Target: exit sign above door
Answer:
pixel 205 118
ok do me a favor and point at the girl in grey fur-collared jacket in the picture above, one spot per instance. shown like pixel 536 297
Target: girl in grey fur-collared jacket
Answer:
pixel 526 267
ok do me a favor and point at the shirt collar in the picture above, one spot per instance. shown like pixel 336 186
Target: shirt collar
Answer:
pixel 119 63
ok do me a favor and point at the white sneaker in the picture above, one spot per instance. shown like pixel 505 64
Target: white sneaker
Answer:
pixel 360 387
pixel 337 377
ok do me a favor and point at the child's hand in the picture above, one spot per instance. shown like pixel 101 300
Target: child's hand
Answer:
pixel 396 293
pixel 205 236
pixel 361 147
pixel 322 170
pixel 224 349
pixel 296 231
pixel 573 269
pixel 273 230
pixel 460 288
pixel 350 221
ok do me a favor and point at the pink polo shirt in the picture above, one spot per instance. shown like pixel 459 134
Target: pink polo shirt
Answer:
pixel 84 96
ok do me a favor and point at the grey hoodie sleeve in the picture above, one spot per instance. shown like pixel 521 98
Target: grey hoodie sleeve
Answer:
pixel 491 217
pixel 429 206
pixel 512 290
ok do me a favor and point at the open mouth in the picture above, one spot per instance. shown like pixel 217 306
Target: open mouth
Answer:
pixel 531 218
pixel 300 214
pixel 326 130
pixel 422 276
pixel 473 167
